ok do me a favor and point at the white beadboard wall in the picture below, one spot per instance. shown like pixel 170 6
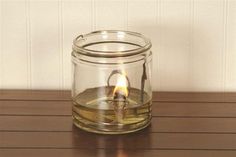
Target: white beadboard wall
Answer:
pixel 194 41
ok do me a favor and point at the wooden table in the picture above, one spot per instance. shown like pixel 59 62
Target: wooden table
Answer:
pixel 39 124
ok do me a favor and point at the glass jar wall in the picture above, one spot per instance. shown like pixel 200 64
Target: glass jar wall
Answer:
pixel 111 88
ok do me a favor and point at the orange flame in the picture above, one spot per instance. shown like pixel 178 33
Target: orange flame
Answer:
pixel 121 85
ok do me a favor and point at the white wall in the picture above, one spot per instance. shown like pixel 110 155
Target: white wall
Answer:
pixel 194 41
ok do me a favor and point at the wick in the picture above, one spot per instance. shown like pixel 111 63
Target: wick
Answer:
pixel 119 96
pixel 119 105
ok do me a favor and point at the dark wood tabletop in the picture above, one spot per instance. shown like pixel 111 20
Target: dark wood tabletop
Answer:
pixel 39 124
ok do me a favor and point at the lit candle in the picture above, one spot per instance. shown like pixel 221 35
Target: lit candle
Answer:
pixel 120 95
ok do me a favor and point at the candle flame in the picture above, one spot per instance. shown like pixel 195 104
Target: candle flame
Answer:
pixel 121 85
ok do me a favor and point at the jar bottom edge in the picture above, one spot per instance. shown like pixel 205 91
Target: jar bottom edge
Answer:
pixel 78 122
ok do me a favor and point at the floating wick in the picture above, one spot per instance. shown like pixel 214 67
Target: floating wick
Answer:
pixel 120 94
pixel 119 102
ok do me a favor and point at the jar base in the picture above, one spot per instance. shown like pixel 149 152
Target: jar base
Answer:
pixel 101 114
pixel 107 128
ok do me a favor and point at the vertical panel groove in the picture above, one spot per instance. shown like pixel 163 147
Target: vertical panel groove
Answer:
pixel 191 34
pixel 1 70
pixel 224 50
pixel 157 23
pixel 60 40
pixel 159 16
pixel 94 23
pixel 126 14
pixel 28 43
pixel 91 17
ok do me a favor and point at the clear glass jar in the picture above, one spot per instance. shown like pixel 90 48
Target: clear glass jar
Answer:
pixel 111 88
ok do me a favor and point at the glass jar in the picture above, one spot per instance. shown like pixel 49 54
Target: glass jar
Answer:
pixel 111 88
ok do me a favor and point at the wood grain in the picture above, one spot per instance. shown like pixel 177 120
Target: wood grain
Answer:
pixel 113 153
pixel 138 140
pixel 23 107
pixel 39 123
pixel 34 95
pixel 159 124
pixel 194 97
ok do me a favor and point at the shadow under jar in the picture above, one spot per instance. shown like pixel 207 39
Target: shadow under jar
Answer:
pixel 111 88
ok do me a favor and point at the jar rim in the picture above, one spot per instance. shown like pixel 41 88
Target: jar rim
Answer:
pixel 108 53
